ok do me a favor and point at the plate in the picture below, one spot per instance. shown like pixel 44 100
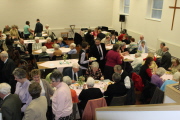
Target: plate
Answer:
pixel 96 81
pixel 92 58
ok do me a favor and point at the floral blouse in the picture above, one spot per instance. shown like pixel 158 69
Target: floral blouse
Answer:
pixel 90 73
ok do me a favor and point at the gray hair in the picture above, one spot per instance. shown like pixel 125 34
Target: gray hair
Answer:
pixel 60 38
pixel 90 82
pixel 95 65
pixel 56 46
pixel 122 44
pixel 5 88
pixel 116 77
pixel 36 38
pixel 160 71
pixel 56 75
pixel 138 54
pixel 48 39
pixel 176 76
pixel 44 48
pixel 75 65
pixel 73 45
pixel 143 42
pixel 117 67
pixel 67 80
pixel 46 25
pixel 20 73
pixel 4 54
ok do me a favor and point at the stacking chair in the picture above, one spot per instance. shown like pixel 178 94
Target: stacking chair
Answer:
pixel 73 56
pixel 43 59
pixel 118 101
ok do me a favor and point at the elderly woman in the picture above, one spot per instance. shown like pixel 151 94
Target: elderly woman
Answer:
pixel 44 53
pixel 89 94
pixel 174 80
pixel 14 32
pixel 155 79
pixel 38 106
pixel 123 49
pixel 113 57
pixel 36 45
pixel 73 49
pixel 47 90
pixel 61 43
pixel 142 48
pixel 175 65
pixel 68 81
pixel 22 86
pixel 145 71
pixel 94 71
pixel 49 44
pixel 57 51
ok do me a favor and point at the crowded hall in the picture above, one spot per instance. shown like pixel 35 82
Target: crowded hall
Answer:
pixel 89 60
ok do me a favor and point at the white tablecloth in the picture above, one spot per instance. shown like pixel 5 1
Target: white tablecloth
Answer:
pixel 33 41
pixel 167 77
pixel 109 47
pixel 50 51
pixel 59 64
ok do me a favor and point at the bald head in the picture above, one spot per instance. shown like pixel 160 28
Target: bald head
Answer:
pixel 4 55
pixel 141 37
pixel 165 48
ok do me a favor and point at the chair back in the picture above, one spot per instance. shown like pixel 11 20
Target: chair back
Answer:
pixel 118 101
pixel 89 111
pixel 44 58
pixel 73 56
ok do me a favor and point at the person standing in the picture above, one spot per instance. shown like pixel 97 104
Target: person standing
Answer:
pixel 38 29
pixel 27 30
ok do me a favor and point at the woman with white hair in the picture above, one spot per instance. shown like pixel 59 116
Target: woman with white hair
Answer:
pixel 175 79
pixel 123 49
pixel 44 53
pixel 36 45
pixel 68 81
pixel 156 78
pixel 61 43
pixel 49 44
pixel 94 71
pixel 57 51
pixel 89 94
pixel 73 49
pixel 48 30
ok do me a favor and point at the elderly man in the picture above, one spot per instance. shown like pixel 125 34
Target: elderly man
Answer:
pixel 36 45
pixel 73 49
pixel 22 47
pixel 6 70
pixel 160 51
pixel 38 29
pixel 48 30
pixel 166 58
pixel 138 60
pixel 124 76
pixel 61 100
pixel 6 29
pixel 73 72
pixel 11 104
pixel 141 39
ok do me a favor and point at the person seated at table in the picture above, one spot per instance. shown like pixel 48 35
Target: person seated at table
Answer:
pixel 125 39
pixel 61 43
pixel 73 72
pixel 166 58
pixel 132 46
pixel 175 65
pixel 123 49
pixel 156 78
pixel 38 106
pixel 138 60
pixel 14 32
pixel 113 57
pixel 115 90
pixel 88 94
pixel 21 47
pixel 122 33
pixel 95 32
pixel 83 60
pixel 57 51
pixel 143 48
pixel 48 31
pixel 174 80
pixel 94 71
pixel 2 36
pixel 153 66
pixel 19 32
pixel 49 44
pixel 100 35
pixel 160 51
pixel 73 49
pixel 44 53
pixel 145 71
pixel 107 40
pixel 113 39
pixel 6 29
pixel 74 96
pixel 36 45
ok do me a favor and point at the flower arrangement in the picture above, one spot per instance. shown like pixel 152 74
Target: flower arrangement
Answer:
pixel 81 80
pixel 65 57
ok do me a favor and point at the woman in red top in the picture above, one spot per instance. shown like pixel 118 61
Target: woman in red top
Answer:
pixel 95 32
pixel 113 58
pixel 49 44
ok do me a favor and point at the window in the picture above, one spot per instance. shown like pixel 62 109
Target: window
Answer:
pixel 124 6
pixel 156 10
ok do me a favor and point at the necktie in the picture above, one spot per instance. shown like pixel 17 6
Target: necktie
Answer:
pixel 75 77
pixel 100 54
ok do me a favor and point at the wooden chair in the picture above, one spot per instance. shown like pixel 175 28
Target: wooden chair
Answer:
pixel 64 35
pixel 118 101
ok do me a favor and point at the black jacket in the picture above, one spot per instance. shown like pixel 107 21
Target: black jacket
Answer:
pixel 68 72
pixel 166 60
pixel 38 28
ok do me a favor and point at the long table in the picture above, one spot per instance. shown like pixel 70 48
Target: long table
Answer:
pixel 33 41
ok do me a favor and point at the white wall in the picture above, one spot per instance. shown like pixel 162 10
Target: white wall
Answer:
pixel 136 23
pixel 59 14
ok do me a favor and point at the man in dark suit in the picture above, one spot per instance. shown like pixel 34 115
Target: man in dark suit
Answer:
pixel 89 38
pixel 100 35
pixel 11 104
pixel 38 29
pixel 6 70
pixel 99 52
pixel 73 72
pixel 166 58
